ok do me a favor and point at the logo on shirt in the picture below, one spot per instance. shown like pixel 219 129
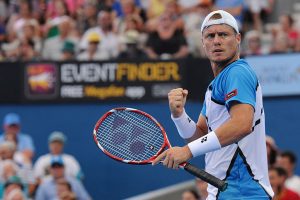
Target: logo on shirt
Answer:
pixel 231 94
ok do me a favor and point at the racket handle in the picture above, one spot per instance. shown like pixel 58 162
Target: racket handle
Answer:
pixel 221 185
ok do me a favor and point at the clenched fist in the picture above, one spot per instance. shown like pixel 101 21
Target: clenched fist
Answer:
pixel 177 99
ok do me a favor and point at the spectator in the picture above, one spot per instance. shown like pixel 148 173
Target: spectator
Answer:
pixel 277 177
pixel 167 41
pixel 30 35
pixel 27 52
pixel 287 160
pixel 15 194
pixel 94 51
pixel 14 189
pixel 132 23
pixel 107 5
pixel 88 18
pixel 279 41
pixel 193 18
pixel 73 6
pixel 56 8
pixel 12 159
pixel 287 27
pixel 272 151
pixel 129 9
pixel 39 11
pixel 53 45
pixel 122 7
pixel 172 9
pixel 7 150
pixel 257 9
pixel 3 15
pixel 47 190
pixel 3 11
pixel 234 7
pixel 68 51
pixel 8 169
pixel 10 47
pixel 190 195
pixel 16 22
pixel 12 132
pixel 64 190
pixel 109 40
pixel 201 187
pixel 131 50
pixel 252 44
pixel 61 12
pixel 56 142
pixel 156 8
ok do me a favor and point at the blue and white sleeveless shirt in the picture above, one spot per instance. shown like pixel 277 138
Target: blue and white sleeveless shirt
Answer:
pixel 242 164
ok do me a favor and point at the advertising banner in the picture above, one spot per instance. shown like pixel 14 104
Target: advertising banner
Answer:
pixel 96 81
pixel 278 74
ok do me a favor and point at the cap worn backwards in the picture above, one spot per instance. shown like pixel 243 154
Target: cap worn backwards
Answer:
pixel 226 18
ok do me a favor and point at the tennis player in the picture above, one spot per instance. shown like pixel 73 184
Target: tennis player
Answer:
pixel 231 127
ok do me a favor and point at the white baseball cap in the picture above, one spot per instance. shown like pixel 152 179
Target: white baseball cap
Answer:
pixel 226 18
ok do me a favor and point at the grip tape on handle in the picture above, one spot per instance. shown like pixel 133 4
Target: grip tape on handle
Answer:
pixel 221 185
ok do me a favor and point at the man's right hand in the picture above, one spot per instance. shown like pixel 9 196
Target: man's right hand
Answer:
pixel 177 99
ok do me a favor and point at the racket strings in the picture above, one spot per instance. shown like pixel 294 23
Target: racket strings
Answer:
pixel 130 136
pixel 135 148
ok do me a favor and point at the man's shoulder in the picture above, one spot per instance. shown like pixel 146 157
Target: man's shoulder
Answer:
pixel 68 158
pixel 239 64
pixel 239 67
pixel 72 180
pixel 291 194
pixel 44 158
pixel 25 136
pixel 50 40
pixel 48 181
pixel 294 178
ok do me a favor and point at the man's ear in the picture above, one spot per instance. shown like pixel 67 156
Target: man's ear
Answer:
pixel 239 37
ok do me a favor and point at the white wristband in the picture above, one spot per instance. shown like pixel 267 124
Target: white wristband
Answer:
pixel 185 125
pixel 205 144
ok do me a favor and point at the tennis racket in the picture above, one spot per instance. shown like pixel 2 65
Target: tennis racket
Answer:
pixel 135 137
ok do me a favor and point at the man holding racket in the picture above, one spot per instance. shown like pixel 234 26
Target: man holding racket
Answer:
pixel 231 127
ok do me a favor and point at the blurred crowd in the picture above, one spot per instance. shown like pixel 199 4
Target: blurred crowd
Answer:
pixel 86 30
pixel 58 175
pixel 53 176
pixel 282 164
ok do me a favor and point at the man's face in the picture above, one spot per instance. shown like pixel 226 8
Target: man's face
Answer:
pixel 285 163
pixel 105 21
pixel 57 171
pixel 6 153
pixel 276 181
pixel 56 147
pixel 220 42
pixel 12 129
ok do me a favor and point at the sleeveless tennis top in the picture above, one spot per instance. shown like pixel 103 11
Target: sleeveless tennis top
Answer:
pixel 242 164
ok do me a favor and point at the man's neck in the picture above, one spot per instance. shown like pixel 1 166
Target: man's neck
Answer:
pixel 217 67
